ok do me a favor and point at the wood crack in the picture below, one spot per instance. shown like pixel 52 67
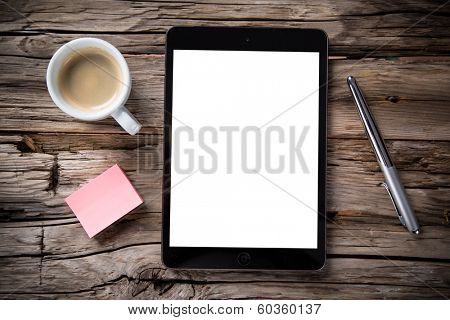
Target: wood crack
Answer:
pixel 382 257
pixel 41 245
pixel 48 257
pixel 37 31
pixel 71 257
pixel 54 176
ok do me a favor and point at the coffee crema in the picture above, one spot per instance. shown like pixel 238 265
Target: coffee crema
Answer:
pixel 90 79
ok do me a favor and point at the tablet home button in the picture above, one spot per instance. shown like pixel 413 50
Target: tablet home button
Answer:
pixel 243 259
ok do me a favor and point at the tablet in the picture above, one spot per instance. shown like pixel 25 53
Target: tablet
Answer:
pixel 244 148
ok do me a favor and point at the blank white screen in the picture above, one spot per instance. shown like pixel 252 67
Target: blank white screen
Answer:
pixel 239 209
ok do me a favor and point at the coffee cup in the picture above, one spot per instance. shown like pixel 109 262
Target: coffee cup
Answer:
pixel 89 79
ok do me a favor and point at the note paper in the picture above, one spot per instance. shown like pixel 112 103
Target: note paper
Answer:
pixel 104 200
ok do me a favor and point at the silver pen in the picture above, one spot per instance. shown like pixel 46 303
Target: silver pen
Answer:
pixel 392 180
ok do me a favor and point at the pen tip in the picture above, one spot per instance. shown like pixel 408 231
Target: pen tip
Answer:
pixel 416 231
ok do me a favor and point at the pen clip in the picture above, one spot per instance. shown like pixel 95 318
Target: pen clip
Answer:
pixel 395 205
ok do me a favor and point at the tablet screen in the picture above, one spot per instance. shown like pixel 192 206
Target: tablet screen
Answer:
pixel 244 164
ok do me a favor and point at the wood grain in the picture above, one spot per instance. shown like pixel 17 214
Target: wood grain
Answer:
pixel 356 227
pixel 135 272
pixel 354 27
pixel 399 51
pixel 401 92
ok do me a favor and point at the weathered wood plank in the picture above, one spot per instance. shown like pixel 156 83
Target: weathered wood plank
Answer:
pixel 146 267
pixel 21 241
pixel 403 93
pixel 347 235
pixel 123 289
pixel 353 175
pixel 357 189
pixel 136 272
pixel 349 182
pixel 300 291
pixel 44 45
pixel 26 275
pixel 353 26
pixel 361 238
pixel 417 156
pixel 34 184
pixel 25 178
pixel 420 157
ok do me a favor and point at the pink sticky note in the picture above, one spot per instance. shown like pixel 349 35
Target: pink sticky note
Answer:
pixel 104 200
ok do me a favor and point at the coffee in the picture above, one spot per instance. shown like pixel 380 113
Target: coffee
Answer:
pixel 89 79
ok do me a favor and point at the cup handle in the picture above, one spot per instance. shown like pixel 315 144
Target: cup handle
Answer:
pixel 127 120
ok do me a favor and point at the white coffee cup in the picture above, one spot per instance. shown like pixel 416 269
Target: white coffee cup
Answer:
pixel 116 107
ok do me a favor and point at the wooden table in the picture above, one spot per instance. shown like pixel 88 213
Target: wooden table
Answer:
pixel 399 52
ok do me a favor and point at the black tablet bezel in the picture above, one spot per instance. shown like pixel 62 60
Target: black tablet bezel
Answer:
pixel 245 39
